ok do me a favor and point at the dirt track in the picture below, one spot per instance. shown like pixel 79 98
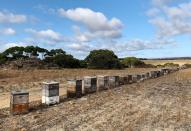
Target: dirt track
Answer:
pixel 159 104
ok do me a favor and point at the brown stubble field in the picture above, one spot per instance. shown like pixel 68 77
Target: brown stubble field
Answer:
pixel 31 80
pixel 163 103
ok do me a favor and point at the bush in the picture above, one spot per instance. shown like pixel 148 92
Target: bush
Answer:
pixel 132 62
pixel 171 65
pixel 3 59
pixel 66 61
pixel 102 59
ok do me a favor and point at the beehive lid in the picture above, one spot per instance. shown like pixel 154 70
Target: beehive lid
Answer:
pixel 22 92
pixel 51 82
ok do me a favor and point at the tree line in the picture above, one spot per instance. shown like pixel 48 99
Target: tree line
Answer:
pixel 97 59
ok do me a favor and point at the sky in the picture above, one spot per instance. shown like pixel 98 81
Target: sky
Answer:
pixel 140 28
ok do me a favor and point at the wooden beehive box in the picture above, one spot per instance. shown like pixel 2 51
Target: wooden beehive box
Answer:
pixel 19 103
pixel 139 77
pixel 116 81
pixel 122 80
pixel 158 73
pixel 143 77
pixel 50 93
pixel 130 79
pixel 90 84
pixel 111 81
pixel 102 83
pixel 153 74
pixel 74 88
pixel 147 75
pixel 134 78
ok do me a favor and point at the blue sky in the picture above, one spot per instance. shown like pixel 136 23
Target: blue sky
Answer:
pixel 141 28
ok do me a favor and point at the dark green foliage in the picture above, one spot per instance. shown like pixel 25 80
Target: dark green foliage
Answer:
pixel 187 65
pixel 102 59
pixel 171 65
pixel 66 61
pixel 83 64
pixel 3 58
pixel 132 62
pixel 55 52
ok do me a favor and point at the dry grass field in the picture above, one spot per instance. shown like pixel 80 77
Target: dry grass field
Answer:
pixel 162 62
pixel 31 80
pixel 163 103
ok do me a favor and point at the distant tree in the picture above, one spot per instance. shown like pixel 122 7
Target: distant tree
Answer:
pixel 102 59
pixel 66 61
pixel 55 52
pixel 132 62
pixel 15 52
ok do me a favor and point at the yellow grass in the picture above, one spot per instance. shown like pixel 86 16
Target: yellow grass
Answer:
pixel 162 62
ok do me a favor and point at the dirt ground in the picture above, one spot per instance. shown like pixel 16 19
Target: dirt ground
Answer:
pixel 158 104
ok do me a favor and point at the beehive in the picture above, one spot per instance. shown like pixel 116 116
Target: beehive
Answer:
pixel 116 81
pixel 19 103
pixel 158 73
pixel 74 88
pixel 102 83
pixel 165 71
pixel 153 74
pixel 134 78
pixel 147 75
pixel 123 80
pixel 50 93
pixel 139 78
pixel 129 78
pixel 143 76
pixel 111 81
pixel 90 84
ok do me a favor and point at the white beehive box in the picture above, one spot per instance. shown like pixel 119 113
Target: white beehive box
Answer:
pixel 102 83
pixel 89 84
pixel 50 93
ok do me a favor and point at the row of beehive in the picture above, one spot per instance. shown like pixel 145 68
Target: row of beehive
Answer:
pixel 76 88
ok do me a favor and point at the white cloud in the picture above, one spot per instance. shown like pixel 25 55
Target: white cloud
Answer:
pixel 96 24
pixel 83 47
pixel 173 20
pixel 160 2
pixel 46 36
pixel 8 31
pixel 8 17
pixel 5 46
pixel 153 12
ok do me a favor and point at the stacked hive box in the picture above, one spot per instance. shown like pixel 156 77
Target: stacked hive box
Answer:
pixel 165 71
pixel 124 80
pixel 130 79
pixel 19 102
pixel 74 88
pixel 147 75
pixel 113 81
pixel 50 93
pixel 116 81
pixel 121 80
pixel 102 83
pixel 139 78
pixel 153 74
pixel 158 73
pixel 134 78
pixel 90 84
pixel 143 76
